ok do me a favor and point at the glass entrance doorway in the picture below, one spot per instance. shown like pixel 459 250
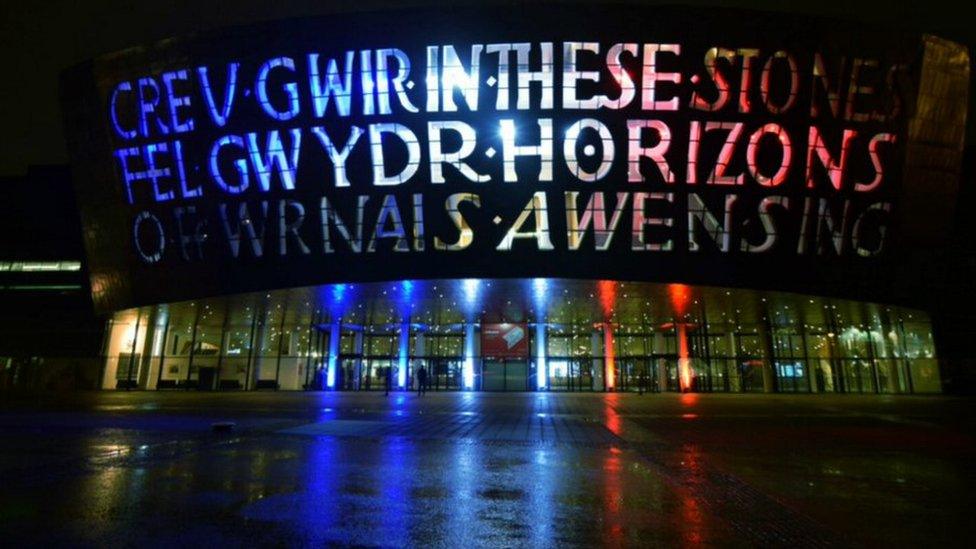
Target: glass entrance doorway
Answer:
pixel 570 374
pixel 635 372
pixel 505 375
pixel 375 372
pixel 445 373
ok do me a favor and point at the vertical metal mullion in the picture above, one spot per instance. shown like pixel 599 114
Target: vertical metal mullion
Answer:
pixel 132 352
pixel 104 351
pixel 193 343
pixel 811 378
pixel 250 346
pixel 162 355
pixel 281 339
pixel 873 357
pixel 706 347
pixel 904 354
pixel 308 348
pixel 223 340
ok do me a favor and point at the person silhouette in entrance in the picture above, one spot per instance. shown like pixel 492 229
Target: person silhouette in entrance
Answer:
pixel 421 381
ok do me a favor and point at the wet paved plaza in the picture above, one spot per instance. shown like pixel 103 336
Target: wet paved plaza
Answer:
pixel 463 469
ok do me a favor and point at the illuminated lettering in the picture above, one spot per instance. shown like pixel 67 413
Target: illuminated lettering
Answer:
pixel 152 172
pixel 857 234
pixel 197 237
pixel 718 175
pixel 408 138
pixel 765 88
pixel 273 159
pixel 465 234
pixel 786 155
pixel 331 85
pixel 595 214
pixel 147 107
pixel 538 209
pixel 835 169
pixel 638 238
pixel 745 85
pixel 151 255
pixel 286 228
pixel 825 220
pixel 511 151
pixel 114 112
pixel 606 143
pixel 544 76
pixel 857 88
pixel 620 76
pixel 455 76
pixel 821 81
pixel 389 214
pixel 454 159
pixel 240 164
pixel 336 156
pixel 219 116
pixel 636 151
pixel 873 145
pixel 433 81
pixel 244 222
pixel 699 214
pixel 571 75
pixel 290 89
pixel 769 227
pixel 331 217
pixel 367 82
pixel 650 77
pixel 383 80
pixel 718 79
pixel 176 102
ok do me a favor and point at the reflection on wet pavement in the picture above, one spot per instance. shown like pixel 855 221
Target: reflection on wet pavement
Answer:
pixel 485 470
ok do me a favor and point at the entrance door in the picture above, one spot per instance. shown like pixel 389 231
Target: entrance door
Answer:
pixel 445 373
pixel 374 378
pixel 346 373
pixel 516 375
pixel 633 371
pixel 560 373
pixel 505 375
pixel 493 376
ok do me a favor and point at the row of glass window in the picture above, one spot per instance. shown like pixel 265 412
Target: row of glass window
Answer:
pixel 149 350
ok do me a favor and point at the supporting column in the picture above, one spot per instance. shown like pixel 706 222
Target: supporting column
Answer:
pixel 147 379
pixel 734 353
pixel 609 365
pixel 256 343
pixel 335 335
pixel 541 366
pixel 597 361
pixel 420 351
pixel 766 340
pixel 132 351
pixel 662 364
pixel 467 373
pixel 403 355
pixel 684 356
pixel 886 350
pixel 357 344
pixel 811 369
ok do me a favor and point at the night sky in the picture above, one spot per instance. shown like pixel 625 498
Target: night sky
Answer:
pixel 39 39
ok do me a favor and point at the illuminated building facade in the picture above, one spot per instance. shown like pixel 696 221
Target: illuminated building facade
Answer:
pixel 643 198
